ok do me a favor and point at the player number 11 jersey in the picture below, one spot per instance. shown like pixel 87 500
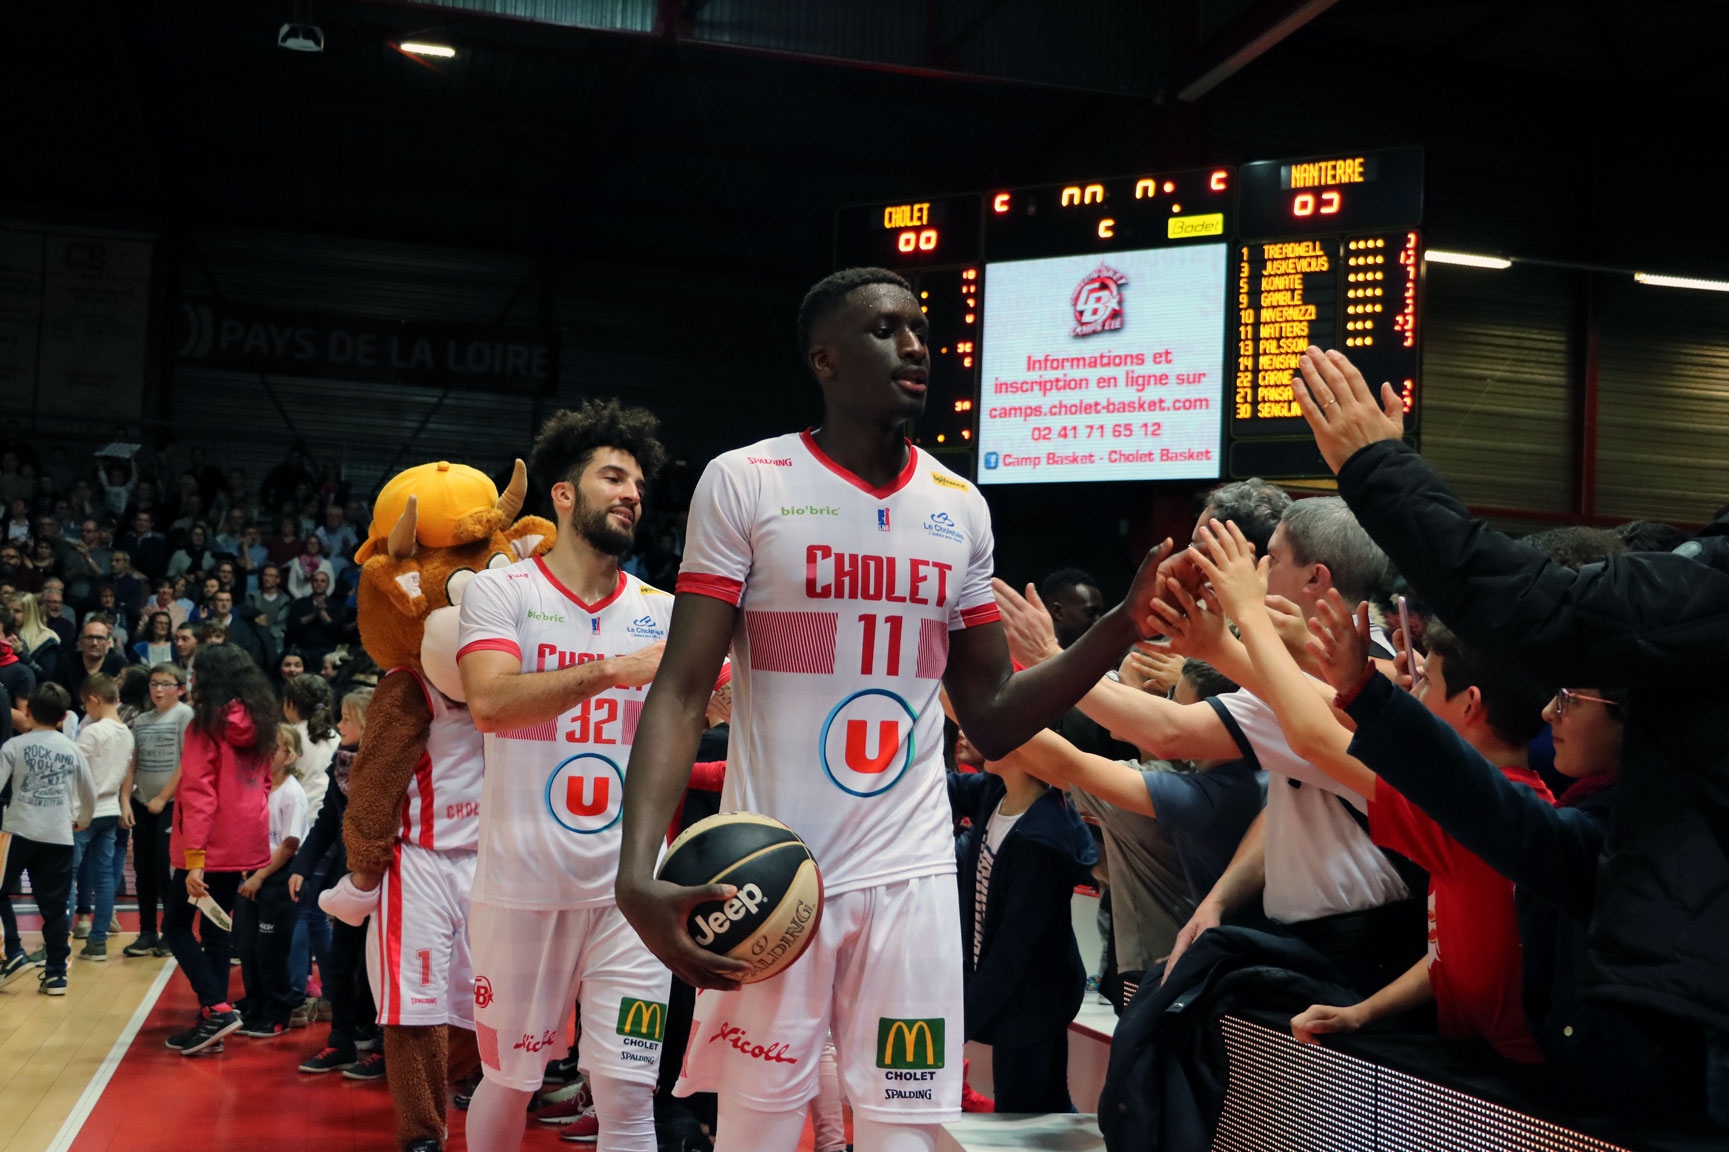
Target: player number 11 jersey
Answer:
pixel 848 595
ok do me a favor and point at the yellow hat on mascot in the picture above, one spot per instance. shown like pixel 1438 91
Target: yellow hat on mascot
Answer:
pixel 448 494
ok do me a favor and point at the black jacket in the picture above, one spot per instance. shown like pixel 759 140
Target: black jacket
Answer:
pixel 323 846
pixel 1654 623
pixel 1600 1057
pixel 1029 980
pixel 1166 1081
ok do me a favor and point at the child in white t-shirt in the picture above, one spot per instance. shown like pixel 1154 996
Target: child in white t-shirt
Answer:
pixel 264 913
pixel 107 744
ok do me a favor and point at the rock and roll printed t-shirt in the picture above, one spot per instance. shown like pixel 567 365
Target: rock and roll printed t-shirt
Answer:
pixel 1474 952
pixel 441 808
pixel 52 786
pixel 553 792
pixel 848 594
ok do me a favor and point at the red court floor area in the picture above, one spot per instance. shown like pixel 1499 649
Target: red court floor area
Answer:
pixel 250 1098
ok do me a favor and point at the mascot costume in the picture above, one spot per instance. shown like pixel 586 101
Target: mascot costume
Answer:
pixel 413 822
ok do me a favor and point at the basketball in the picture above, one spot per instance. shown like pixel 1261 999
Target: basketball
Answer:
pixel 774 916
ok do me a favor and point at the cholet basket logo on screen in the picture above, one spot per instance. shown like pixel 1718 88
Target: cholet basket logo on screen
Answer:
pixel 1098 301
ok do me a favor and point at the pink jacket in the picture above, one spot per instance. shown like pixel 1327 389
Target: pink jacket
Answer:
pixel 221 807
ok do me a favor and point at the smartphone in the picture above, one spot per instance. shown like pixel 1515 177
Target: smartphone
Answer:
pixel 1410 641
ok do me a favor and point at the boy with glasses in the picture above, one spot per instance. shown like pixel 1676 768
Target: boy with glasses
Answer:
pixel 158 736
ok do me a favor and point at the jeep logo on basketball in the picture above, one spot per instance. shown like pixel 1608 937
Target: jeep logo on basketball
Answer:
pixel 910 1043
pixel 706 929
pixel 642 1019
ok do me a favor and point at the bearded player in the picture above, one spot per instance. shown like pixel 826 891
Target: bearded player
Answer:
pixel 850 574
pixel 555 652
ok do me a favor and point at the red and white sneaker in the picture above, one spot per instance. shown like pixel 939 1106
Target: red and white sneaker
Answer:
pixel 569 1109
pixel 585 1129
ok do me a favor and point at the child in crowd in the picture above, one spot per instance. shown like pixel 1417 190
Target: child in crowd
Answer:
pixel 107 746
pixel 52 789
pixel 264 915
pixel 306 705
pixel 158 735
pixel 1024 975
pixel 221 827
pixel 353 1019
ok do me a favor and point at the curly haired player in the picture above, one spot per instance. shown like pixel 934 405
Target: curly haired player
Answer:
pixel 555 653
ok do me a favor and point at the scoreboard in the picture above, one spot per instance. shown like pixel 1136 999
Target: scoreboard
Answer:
pixel 1148 326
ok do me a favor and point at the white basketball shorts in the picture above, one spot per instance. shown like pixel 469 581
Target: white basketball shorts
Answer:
pixel 531 965
pixel 884 975
pixel 417 955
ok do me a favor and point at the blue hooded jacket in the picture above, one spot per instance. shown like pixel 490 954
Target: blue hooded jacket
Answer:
pixel 1029 979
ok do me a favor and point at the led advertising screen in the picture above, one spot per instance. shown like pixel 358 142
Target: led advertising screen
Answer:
pixel 1106 366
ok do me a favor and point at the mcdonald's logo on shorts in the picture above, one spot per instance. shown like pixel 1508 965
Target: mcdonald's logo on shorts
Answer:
pixel 643 1019
pixel 910 1043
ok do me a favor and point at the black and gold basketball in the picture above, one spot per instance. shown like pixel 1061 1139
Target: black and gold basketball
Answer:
pixel 775 913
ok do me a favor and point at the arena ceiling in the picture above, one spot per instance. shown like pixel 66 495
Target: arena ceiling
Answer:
pixel 694 134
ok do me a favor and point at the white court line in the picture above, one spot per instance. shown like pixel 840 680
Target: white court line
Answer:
pixel 105 1071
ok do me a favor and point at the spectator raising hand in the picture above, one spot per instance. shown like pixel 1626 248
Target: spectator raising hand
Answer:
pixel 1340 642
pixel 1027 624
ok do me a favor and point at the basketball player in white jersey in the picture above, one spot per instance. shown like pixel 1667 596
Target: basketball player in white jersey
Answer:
pixel 850 574
pixel 555 653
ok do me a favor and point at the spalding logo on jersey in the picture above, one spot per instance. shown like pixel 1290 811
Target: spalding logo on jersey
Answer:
pixel 867 742
pixel 586 793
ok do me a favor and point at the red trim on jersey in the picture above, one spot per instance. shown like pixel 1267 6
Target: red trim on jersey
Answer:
pixel 719 587
pixel 428 805
pixel 979 614
pixel 883 493
pixel 591 609
pixel 488 645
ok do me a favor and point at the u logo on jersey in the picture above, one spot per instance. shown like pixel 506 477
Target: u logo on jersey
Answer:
pixel 586 793
pixel 867 742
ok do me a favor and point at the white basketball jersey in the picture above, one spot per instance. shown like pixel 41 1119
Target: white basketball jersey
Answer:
pixel 441 810
pixel 848 595
pixel 550 806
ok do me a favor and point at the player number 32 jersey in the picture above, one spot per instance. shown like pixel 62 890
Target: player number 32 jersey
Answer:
pixel 848 596
pixel 554 792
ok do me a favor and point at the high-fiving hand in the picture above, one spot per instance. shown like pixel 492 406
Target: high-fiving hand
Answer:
pixel 1227 559
pixel 1340 640
pixel 1342 410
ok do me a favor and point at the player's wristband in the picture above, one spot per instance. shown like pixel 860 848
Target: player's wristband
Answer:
pixel 1344 699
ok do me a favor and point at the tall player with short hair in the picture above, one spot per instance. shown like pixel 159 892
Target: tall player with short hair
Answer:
pixel 850 574
pixel 555 652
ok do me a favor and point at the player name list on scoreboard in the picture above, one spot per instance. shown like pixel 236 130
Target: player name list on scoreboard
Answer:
pixel 1287 299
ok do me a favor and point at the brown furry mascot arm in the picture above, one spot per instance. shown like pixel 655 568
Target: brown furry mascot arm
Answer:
pixel 398 723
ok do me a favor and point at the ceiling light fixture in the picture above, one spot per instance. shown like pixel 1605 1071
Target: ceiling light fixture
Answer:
pixel 1657 281
pixel 421 48
pixel 300 37
pixel 1466 259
